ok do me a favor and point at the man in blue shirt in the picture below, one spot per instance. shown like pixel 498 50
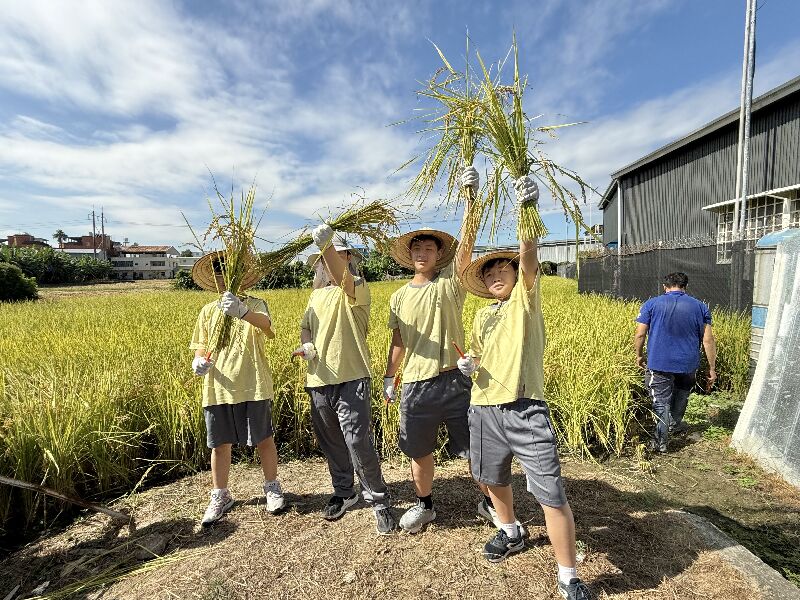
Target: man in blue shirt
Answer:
pixel 674 325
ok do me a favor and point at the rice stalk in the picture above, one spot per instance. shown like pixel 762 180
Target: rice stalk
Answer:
pixel 454 125
pixel 235 228
pixel 373 221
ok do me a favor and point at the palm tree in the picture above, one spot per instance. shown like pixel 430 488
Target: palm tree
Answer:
pixel 60 236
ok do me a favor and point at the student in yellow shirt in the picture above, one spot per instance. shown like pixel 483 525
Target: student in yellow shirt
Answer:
pixel 237 385
pixel 508 415
pixel 333 337
pixel 425 319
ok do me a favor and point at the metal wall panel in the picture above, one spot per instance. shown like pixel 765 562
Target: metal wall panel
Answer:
pixel 610 220
pixel 663 200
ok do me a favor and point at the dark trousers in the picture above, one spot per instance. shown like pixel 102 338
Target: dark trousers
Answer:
pixel 341 418
pixel 670 394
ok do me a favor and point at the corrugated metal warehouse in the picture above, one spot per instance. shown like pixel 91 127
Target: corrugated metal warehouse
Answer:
pixel 674 209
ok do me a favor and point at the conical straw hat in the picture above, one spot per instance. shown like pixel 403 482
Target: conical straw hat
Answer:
pixel 401 252
pixel 471 278
pixel 203 272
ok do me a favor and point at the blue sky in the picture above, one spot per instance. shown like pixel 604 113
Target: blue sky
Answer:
pixel 128 105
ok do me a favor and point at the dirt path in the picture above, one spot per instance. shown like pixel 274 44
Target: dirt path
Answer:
pixel 632 546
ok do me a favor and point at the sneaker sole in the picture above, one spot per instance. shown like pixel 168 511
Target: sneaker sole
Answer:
pixel 494 558
pixel 278 509
pixel 348 502
pixel 419 527
pixel 225 509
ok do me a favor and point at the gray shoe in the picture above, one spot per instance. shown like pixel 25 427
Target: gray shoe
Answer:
pixel 275 499
pixel 678 428
pixel 490 514
pixel 416 517
pixel 221 502
pixel 575 590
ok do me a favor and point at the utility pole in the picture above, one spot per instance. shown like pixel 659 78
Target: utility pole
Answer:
pixel 743 154
pixel 94 236
pixel 103 233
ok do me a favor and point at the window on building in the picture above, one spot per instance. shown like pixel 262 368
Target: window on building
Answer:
pixel 764 215
pixel 123 263
pixel 724 234
pixel 157 263
pixel 794 213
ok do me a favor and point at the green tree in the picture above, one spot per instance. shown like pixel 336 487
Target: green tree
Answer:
pixel 60 236
pixel 378 266
pixel 14 285
pixel 186 253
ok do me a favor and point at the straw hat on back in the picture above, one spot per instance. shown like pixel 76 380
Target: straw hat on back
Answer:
pixel 203 272
pixel 401 250
pixel 472 278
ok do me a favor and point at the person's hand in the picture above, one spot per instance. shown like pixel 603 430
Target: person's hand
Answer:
pixel 467 365
pixel 470 178
pixel 389 391
pixel 232 306
pixel 641 361
pixel 201 365
pixel 712 377
pixel 322 235
pixel 306 351
pixel 526 190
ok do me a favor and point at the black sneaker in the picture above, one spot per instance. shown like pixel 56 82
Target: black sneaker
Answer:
pixel 501 546
pixel 384 521
pixel 678 428
pixel 574 590
pixel 337 505
pixel 655 446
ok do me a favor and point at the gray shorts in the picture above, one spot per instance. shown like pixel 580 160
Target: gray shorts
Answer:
pixel 523 429
pixel 245 423
pixel 427 404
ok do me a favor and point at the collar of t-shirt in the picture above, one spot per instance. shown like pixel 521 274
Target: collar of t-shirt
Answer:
pixel 675 293
pixel 422 285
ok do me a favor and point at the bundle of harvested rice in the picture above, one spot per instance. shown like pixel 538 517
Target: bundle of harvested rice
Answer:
pixel 374 221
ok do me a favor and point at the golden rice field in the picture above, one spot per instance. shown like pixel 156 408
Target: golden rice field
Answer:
pixel 97 394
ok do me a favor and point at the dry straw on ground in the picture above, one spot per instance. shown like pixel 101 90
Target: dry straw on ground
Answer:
pixel 624 551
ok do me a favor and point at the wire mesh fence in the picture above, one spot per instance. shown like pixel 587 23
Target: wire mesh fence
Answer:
pixel 637 272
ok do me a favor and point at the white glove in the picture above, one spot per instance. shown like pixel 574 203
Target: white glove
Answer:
pixel 526 190
pixel 467 365
pixel 470 178
pixel 322 234
pixel 389 392
pixel 201 366
pixel 306 351
pixel 232 306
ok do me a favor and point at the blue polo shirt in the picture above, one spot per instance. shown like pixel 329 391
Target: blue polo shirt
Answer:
pixel 676 323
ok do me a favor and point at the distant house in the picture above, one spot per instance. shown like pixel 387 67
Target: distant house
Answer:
pixel 144 262
pixel 185 263
pixel 98 246
pixel 25 240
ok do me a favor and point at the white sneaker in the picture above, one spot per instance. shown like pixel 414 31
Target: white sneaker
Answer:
pixel 490 514
pixel 275 500
pixel 221 502
pixel 416 517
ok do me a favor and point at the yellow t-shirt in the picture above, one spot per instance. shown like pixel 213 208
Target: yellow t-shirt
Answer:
pixel 509 339
pixel 429 320
pixel 241 371
pixel 338 326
